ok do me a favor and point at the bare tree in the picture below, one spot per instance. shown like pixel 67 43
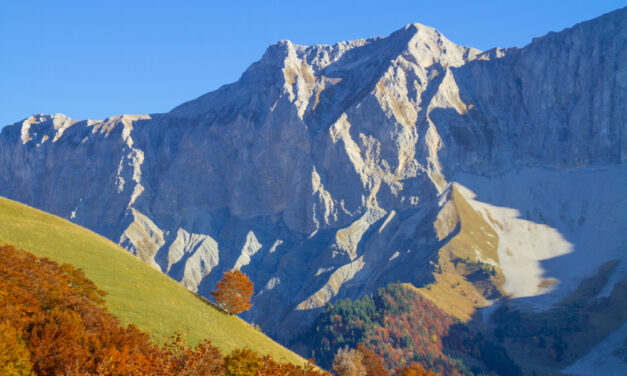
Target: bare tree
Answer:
pixel 348 362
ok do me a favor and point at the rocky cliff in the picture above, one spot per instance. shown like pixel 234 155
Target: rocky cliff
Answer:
pixel 328 171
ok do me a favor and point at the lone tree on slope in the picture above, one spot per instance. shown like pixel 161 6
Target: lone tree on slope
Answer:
pixel 233 292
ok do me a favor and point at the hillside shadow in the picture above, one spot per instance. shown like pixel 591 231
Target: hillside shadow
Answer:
pixel 479 350
pixel 579 225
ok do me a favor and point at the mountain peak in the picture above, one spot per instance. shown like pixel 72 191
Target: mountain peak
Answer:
pixel 303 71
pixel 415 28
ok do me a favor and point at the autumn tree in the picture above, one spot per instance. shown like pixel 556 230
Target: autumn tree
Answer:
pixel 181 359
pixel 245 362
pixel 415 369
pixel 372 362
pixel 233 292
pixel 270 367
pixel 60 317
pixel 242 362
pixel 348 362
pixel 14 356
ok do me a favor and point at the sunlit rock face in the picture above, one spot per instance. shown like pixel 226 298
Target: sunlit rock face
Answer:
pixel 325 171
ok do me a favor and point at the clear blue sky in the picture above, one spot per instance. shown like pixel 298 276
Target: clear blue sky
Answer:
pixel 94 59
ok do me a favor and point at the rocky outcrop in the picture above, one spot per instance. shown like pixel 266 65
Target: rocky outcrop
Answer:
pixel 326 171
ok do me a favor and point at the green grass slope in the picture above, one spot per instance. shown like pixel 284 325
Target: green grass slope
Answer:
pixel 137 293
pixel 463 283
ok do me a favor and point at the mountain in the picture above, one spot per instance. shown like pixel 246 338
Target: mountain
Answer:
pixel 324 172
pixel 136 293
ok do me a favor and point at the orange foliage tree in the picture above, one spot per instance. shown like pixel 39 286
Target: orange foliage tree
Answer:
pixel 180 359
pixel 242 362
pixel 14 356
pixel 245 362
pixel 414 369
pixel 60 317
pixel 371 361
pixel 233 292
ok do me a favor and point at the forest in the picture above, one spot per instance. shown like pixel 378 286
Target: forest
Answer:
pixel 402 327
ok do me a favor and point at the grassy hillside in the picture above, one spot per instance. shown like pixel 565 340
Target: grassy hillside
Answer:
pixel 463 281
pixel 137 293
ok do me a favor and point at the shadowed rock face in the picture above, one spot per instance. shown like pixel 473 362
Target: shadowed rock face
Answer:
pixel 325 171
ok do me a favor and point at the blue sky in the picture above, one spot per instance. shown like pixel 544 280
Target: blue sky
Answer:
pixel 94 59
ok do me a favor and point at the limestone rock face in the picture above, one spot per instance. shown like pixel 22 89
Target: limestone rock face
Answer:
pixel 326 171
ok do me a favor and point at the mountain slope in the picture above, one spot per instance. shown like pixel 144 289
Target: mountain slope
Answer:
pixel 137 294
pixel 330 171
